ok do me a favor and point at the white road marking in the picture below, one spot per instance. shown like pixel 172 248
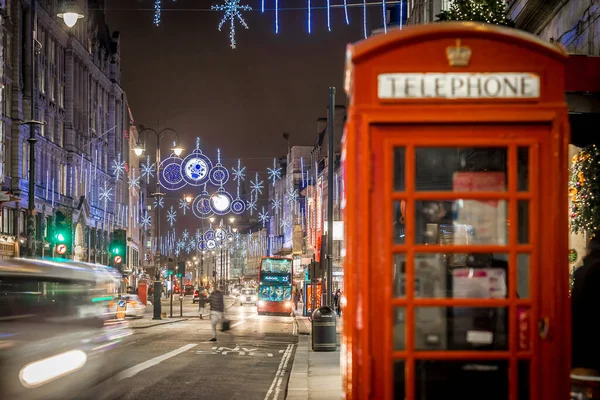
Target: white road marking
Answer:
pixel 278 380
pixel 270 355
pixel 241 321
pixel 130 372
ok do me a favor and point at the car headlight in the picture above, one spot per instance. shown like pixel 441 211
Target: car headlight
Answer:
pixel 288 304
pixel 261 303
pixel 43 371
pixel 254 298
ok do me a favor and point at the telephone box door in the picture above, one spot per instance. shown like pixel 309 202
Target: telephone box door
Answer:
pixel 461 242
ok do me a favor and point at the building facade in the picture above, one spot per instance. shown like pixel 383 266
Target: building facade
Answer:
pixel 78 98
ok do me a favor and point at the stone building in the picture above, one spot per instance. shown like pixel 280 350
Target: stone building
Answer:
pixel 77 94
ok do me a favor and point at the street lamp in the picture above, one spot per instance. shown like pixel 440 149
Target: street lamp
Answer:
pixel 188 198
pixel 138 149
pixel 177 149
pixel 70 13
pixel 231 219
pixel 211 219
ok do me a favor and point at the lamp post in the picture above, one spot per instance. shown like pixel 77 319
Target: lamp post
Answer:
pixel 139 150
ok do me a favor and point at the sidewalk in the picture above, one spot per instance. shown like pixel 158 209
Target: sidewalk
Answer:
pixel 188 313
pixel 315 375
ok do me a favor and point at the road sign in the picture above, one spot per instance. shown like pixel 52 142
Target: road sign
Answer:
pixel 4 196
pixel 61 248
pixel 118 259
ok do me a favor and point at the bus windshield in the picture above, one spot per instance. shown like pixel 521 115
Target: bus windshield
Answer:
pixel 276 266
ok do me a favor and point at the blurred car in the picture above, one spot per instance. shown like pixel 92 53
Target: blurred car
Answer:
pixel 131 303
pixel 58 337
pixel 248 296
pixel 197 295
pixel 188 290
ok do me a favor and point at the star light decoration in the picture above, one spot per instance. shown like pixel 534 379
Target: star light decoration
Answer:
pixel 284 223
pixel 251 205
pixel 134 182
pixel 185 235
pixel 118 166
pixel 159 202
pixel 263 217
pixel 232 10
pixel 274 173
pixel 171 216
pixel 239 173
pixel 256 186
pixel 146 221
pixel 276 205
pixel 184 205
pixel 147 169
pixel 292 196
pixel 105 193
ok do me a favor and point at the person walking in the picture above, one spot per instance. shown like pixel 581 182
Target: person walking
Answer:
pixel 337 302
pixel 201 301
pixel 296 299
pixel 217 308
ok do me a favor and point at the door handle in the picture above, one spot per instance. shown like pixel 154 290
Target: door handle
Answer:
pixel 544 327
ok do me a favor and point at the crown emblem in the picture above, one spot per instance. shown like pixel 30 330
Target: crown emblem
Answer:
pixel 458 56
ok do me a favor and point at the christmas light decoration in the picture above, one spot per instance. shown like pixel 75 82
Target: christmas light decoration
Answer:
pixel 171 175
pixel 346 17
pixel 309 21
pixel 146 221
pixel 365 18
pixel 284 223
pixel 251 205
pixel 488 11
pixel 292 196
pixel 196 167
pixel 329 15
pixel 232 10
pixel 184 205
pixel 105 194
pixel 219 175
pixel 384 11
pixel 157 12
pixel 276 205
pixel 256 186
pixel 239 173
pixel 584 189
pixel 277 16
pixel 274 173
pixel 171 216
pixel 159 202
pixel 263 217
pixel 134 182
pixel 118 166
pixel 147 169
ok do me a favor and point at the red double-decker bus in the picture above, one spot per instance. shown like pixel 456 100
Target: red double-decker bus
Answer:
pixel 275 278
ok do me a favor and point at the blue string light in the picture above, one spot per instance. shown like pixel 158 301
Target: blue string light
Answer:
pixel 157 8
pixel 329 15
pixel 276 16
pixel 401 14
pixel 232 10
pixel 365 18
pixel 262 6
pixel 384 11
pixel 309 17
pixel 346 12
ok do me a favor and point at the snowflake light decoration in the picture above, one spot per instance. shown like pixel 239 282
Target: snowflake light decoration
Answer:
pixel 239 173
pixel 188 249
pixel 146 221
pixel 232 10
pixel 177 252
pixel 157 12
pixel 118 166
pixel 292 196
pixel 180 244
pixel 284 223
pixel 185 235
pixel 251 206
pixel 147 169
pixel 256 186
pixel 134 182
pixel 274 173
pixel 198 236
pixel 276 205
pixel 263 217
pixel 159 202
pixel 105 194
pixel 184 205
pixel 171 216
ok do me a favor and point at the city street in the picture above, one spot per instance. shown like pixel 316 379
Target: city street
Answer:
pixel 173 360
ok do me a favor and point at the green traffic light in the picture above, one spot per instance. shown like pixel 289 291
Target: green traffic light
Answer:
pixel 60 237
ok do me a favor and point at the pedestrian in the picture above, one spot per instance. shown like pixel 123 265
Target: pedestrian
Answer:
pixel 585 298
pixel 337 302
pixel 201 301
pixel 217 308
pixel 296 300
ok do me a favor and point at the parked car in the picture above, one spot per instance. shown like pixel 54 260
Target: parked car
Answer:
pixel 133 306
pixel 58 340
pixel 248 296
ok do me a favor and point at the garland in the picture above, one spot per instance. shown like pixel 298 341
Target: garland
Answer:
pixel 487 11
pixel 584 189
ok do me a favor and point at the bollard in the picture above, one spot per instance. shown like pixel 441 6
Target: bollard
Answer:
pixel 324 337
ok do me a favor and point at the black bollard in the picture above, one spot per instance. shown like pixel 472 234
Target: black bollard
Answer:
pixel 157 295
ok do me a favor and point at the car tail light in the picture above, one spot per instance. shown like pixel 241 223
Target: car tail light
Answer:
pixel 133 303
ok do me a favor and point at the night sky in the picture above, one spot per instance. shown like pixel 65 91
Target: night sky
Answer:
pixel 184 74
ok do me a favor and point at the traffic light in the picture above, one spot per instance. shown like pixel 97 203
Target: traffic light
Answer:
pixel 180 269
pixel 118 247
pixel 62 236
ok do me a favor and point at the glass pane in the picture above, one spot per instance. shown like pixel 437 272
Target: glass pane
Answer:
pixel 523 276
pixel 399 169
pixel 478 169
pixel 399 275
pixel 523 169
pixel 461 222
pixel 399 324
pixel 523 220
pixel 472 276
pixel 399 380
pixel 464 379
pixel 461 328
pixel 399 221
pixel 523 385
pixel 523 328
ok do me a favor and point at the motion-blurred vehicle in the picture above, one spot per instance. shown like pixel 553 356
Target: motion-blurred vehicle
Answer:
pixel 188 290
pixel 235 291
pixel 248 296
pixel 129 305
pixel 197 293
pixel 57 333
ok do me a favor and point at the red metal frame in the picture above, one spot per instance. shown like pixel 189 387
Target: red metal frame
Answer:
pixel 375 127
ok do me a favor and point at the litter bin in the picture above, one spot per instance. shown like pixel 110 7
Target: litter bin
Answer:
pixel 324 336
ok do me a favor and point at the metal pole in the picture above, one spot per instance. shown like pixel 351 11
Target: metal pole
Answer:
pixel 171 292
pixel 32 140
pixel 181 296
pixel 157 283
pixel 331 127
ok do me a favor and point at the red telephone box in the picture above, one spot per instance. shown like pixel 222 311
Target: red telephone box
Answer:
pixel 455 164
pixel 143 291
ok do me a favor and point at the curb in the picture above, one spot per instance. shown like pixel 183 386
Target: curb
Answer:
pixel 298 327
pixel 159 323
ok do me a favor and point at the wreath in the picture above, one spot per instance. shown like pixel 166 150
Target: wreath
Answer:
pixel 584 189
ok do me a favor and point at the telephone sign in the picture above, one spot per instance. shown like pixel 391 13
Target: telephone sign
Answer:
pixel 118 259
pixel 61 248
